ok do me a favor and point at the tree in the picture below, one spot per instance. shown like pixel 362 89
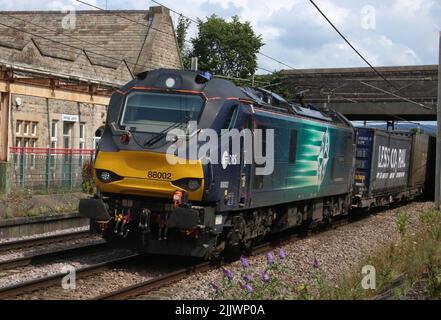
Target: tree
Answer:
pixel 227 48
pixel 181 31
pixel 181 34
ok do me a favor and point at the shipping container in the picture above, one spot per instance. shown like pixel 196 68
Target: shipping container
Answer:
pixel 382 162
pixel 418 160
pixel 429 187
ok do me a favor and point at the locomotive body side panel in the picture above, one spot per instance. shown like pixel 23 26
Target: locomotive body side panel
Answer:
pixel 312 159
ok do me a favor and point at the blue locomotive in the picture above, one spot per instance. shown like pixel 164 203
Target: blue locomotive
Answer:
pixel 172 194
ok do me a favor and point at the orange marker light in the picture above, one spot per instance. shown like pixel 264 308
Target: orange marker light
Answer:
pixel 177 198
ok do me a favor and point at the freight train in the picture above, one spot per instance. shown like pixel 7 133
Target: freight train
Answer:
pixel 163 193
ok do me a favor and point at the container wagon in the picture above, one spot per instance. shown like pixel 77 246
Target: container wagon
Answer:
pixel 390 167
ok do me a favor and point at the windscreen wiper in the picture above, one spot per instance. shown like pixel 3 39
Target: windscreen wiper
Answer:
pixel 161 134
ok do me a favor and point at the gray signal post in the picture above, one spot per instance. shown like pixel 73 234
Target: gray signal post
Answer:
pixel 438 137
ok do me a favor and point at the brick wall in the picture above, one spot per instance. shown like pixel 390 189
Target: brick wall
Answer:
pixel 43 112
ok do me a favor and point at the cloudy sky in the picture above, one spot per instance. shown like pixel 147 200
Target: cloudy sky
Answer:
pixel 387 32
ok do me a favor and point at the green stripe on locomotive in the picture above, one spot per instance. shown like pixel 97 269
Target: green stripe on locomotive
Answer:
pixel 322 165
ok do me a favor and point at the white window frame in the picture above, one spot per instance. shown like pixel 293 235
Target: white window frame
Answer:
pixel 34 128
pixel 53 145
pixel 82 140
pixel 54 131
pixel 68 135
pixel 26 128
pixel 82 131
pixel 95 142
pixel 18 127
pixel 32 155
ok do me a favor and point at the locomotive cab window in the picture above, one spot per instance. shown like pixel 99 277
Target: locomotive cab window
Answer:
pixel 231 117
pixel 154 112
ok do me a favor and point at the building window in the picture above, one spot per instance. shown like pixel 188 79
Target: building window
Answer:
pixel 18 127
pixel 52 157
pixel 34 128
pixel 32 155
pixel 18 142
pixel 54 130
pixel 81 160
pixel 67 133
pixel 95 142
pixel 82 136
pixel 26 128
pixel 82 131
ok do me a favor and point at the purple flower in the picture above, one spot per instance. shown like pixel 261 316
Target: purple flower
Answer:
pixel 228 274
pixel 214 286
pixel 316 264
pixel 248 288
pixel 245 263
pixel 264 276
pixel 282 254
pixel 270 257
pixel 247 277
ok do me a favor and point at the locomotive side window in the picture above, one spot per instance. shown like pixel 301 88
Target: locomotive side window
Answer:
pixel 154 112
pixel 231 117
pixel 293 147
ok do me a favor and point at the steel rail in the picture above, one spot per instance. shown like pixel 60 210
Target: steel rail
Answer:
pixel 36 284
pixel 153 284
pixel 29 242
pixel 46 255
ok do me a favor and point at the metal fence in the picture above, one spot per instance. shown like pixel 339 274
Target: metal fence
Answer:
pixel 47 170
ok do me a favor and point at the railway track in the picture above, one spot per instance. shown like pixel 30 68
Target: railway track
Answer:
pixel 27 287
pixel 47 255
pixel 170 278
pixel 151 285
pixel 143 287
pixel 33 242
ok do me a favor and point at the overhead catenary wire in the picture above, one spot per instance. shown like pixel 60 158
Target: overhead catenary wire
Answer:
pixel 146 25
pixel 124 60
pixel 350 44
pixel 196 22
pixel 370 65
pixel 361 56
pixel 97 46
pixel 395 95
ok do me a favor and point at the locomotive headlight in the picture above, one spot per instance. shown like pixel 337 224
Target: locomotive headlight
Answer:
pixel 107 176
pixel 170 82
pixel 193 184
pixel 189 184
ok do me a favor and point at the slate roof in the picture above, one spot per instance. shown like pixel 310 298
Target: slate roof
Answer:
pixel 108 40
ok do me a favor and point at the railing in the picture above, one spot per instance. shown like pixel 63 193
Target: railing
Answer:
pixel 45 170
